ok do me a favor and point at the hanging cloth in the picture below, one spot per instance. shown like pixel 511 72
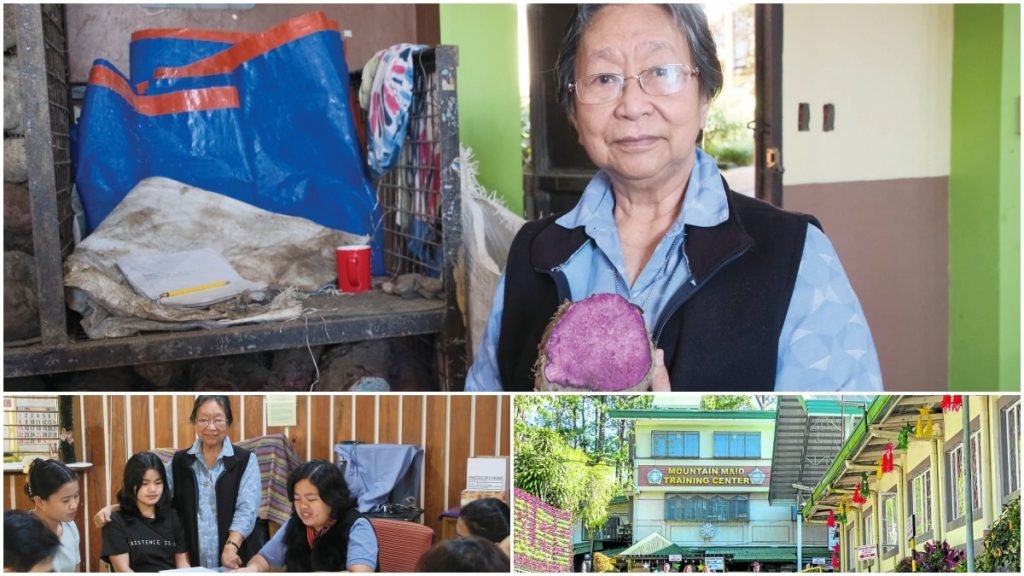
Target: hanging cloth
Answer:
pixel 389 106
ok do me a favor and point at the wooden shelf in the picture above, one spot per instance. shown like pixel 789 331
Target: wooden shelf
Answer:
pixel 19 468
pixel 336 320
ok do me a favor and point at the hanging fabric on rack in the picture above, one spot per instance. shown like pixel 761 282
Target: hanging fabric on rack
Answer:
pixel 389 106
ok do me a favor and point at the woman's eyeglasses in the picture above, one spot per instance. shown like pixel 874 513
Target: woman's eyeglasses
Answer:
pixel 218 423
pixel 656 81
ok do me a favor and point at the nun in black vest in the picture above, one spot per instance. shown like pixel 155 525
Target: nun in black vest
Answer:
pixel 326 533
pixel 215 487
pixel 737 294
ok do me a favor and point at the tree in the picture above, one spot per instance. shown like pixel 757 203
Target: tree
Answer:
pixel 603 563
pixel 726 402
pixel 570 454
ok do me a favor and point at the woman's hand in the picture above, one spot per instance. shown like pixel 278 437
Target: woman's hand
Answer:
pixel 659 380
pixel 102 518
pixel 229 557
pixel 256 564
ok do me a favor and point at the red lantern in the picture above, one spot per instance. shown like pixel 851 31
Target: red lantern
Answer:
pixel 835 557
pixel 831 522
pixel 887 459
pixel 858 497
pixel 952 402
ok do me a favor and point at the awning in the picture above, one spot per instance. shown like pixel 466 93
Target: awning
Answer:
pixel 768 553
pixel 885 417
pixel 654 544
pixel 759 553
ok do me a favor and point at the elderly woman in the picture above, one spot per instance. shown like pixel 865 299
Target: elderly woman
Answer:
pixel 738 295
pixel 215 487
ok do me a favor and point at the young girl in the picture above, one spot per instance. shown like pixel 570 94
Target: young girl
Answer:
pixel 145 534
pixel 53 489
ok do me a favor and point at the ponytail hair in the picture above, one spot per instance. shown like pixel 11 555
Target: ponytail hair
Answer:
pixel 46 477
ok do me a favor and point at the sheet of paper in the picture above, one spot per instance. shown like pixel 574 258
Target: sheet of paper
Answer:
pixel 191 278
pixel 281 410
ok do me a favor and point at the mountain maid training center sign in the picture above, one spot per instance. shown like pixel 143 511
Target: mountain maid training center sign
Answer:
pixel 702 475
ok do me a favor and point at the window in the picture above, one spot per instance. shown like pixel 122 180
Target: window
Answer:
pixel 675 445
pixel 955 465
pixel 890 531
pixel 737 444
pixel 921 501
pixel 698 508
pixel 869 530
pixel 1010 457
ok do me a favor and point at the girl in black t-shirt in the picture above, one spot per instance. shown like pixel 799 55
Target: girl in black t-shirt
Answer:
pixel 145 535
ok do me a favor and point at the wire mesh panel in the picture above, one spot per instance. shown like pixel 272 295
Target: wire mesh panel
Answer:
pixel 420 199
pixel 59 101
pixel 410 193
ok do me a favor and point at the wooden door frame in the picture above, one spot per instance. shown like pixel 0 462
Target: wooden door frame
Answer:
pixel 768 166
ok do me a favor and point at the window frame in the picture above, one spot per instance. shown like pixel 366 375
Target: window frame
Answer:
pixel 744 439
pixel 890 524
pixel 1009 457
pixel 956 509
pixel 924 515
pixel 687 507
pixel 686 436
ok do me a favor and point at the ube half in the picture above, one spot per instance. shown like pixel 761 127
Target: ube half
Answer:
pixel 599 344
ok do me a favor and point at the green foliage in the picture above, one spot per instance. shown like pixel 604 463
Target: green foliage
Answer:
pixel 570 454
pixel 727 138
pixel 934 558
pixel 726 402
pixel 1002 546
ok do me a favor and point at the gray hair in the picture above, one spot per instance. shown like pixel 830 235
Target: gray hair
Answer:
pixel 692 23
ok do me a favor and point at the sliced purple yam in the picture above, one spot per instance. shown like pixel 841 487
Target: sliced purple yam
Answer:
pixel 600 344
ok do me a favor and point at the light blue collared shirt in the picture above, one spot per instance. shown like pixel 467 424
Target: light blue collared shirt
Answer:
pixel 247 502
pixel 362 546
pixel 825 344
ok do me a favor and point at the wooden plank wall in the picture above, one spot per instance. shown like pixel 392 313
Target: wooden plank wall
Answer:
pixel 450 428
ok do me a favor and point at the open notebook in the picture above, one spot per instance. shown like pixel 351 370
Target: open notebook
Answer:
pixel 191 278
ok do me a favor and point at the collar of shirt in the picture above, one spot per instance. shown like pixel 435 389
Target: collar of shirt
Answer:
pixel 704 204
pixel 226 450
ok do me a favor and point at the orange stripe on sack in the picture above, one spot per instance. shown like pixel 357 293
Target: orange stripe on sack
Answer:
pixel 195 100
pixel 190 34
pixel 257 44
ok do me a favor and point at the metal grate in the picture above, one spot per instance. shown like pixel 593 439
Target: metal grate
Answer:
pixel 59 100
pixel 410 193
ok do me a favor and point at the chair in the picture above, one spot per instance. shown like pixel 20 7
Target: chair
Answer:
pixel 401 543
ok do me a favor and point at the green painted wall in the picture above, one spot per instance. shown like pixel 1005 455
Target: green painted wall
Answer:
pixel 1009 205
pixel 488 87
pixel 984 193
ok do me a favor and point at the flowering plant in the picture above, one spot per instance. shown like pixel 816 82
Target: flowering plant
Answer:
pixel 543 541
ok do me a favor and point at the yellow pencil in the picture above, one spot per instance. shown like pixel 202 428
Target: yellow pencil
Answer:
pixel 191 289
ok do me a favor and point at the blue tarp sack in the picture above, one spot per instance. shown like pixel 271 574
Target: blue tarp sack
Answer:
pixel 265 121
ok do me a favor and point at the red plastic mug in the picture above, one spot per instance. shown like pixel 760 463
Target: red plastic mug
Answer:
pixel 353 268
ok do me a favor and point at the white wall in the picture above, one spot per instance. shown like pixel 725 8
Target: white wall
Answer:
pixel 769 525
pixel 888 71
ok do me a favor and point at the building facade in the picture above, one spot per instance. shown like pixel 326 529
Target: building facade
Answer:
pixel 925 494
pixel 701 481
